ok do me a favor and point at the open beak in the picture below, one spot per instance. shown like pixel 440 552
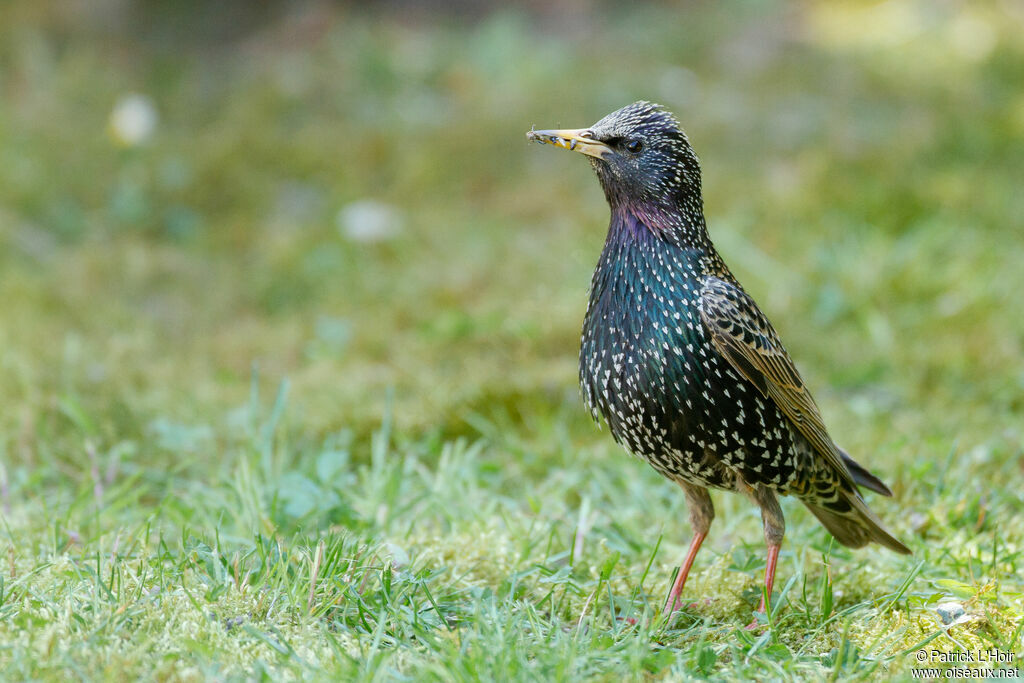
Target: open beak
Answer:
pixel 580 140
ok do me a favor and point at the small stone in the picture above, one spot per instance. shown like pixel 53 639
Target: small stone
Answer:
pixel 233 622
pixel 950 612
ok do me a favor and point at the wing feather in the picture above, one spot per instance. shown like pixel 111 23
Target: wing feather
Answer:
pixel 743 335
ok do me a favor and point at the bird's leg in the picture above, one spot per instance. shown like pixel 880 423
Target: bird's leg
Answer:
pixel 684 571
pixel 769 576
pixel 702 511
pixel 774 529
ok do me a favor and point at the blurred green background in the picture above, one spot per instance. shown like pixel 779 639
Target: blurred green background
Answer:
pixel 862 169
pixel 205 202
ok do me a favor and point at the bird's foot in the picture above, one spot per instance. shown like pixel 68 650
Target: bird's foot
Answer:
pixel 678 605
pixel 760 618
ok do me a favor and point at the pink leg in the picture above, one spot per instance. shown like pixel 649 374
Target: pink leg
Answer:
pixel 774 530
pixel 769 575
pixel 684 571
pixel 769 581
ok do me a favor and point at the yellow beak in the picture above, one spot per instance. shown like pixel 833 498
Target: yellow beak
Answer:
pixel 579 140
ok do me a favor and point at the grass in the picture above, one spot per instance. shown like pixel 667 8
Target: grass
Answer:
pixel 235 443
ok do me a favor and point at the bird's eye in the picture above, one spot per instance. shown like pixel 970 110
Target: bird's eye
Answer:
pixel 634 146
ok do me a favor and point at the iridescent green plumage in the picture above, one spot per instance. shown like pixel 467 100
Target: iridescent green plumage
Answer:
pixel 679 360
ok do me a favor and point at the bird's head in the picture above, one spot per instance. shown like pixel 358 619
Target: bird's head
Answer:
pixel 640 153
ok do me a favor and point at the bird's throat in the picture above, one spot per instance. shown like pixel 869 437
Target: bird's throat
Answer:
pixel 675 226
pixel 649 248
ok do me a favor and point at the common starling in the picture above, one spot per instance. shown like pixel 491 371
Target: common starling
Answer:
pixel 681 363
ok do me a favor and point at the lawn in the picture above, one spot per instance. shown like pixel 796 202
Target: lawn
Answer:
pixel 288 372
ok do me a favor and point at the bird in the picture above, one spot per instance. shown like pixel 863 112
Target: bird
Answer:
pixel 681 364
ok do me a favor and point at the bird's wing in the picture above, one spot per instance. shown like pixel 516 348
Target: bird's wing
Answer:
pixel 742 334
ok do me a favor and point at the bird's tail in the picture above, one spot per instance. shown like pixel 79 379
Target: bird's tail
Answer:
pixel 855 526
pixel 861 475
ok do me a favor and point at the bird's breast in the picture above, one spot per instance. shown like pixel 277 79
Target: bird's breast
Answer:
pixel 650 370
pixel 644 350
